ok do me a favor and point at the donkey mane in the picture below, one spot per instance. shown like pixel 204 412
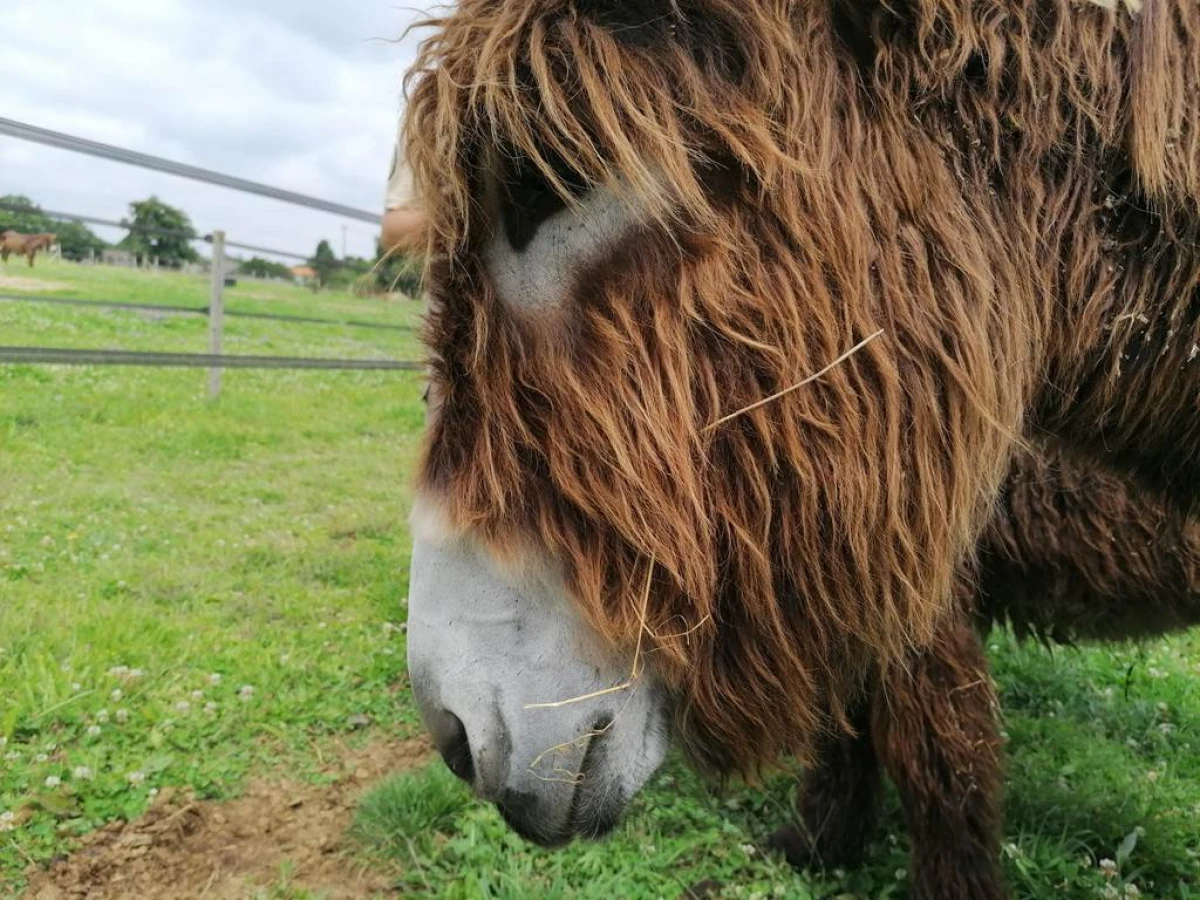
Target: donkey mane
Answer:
pixel 1009 190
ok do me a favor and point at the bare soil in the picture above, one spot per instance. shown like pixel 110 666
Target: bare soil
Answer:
pixel 12 283
pixel 231 850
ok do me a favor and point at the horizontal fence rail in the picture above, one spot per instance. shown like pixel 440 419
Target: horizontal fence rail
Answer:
pixel 203 311
pixel 215 360
pixel 71 357
pixel 46 137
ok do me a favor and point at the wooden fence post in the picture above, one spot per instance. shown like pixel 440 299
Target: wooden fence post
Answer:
pixel 216 311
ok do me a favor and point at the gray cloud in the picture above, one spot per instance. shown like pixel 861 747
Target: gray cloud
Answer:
pixel 298 93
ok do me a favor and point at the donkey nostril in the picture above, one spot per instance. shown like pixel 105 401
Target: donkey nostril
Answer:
pixel 452 743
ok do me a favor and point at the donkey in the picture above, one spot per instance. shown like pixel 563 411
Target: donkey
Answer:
pixel 739 312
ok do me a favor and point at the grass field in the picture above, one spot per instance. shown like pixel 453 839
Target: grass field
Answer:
pixel 193 592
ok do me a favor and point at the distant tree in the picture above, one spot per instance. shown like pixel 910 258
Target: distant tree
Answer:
pixel 397 272
pixel 348 274
pixel 257 267
pixel 324 263
pixel 23 215
pixel 157 230
pixel 78 241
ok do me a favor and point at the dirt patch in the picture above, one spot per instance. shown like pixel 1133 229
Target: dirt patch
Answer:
pixel 226 850
pixel 12 283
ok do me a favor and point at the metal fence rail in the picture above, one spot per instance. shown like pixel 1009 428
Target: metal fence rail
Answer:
pixel 72 357
pixel 203 311
pixel 215 360
pixel 49 138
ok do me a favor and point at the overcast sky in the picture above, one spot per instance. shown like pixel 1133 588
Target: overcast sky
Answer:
pixel 301 94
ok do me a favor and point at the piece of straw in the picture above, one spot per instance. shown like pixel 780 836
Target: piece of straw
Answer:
pixel 795 387
pixel 636 671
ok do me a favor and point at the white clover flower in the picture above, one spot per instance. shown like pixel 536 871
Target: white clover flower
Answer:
pixel 1108 868
pixel 122 715
pixel 182 706
pixel 197 695
pixel 81 773
pixel 12 756
pixel 102 716
pixel 135 673
pixel 1110 892
pixel 118 671
pixel 245 692
pixel 1132 892
pixel 93 731
pixel 52 781
pixel 41 757
pixel 76 686
pixel 7 821
pixel 136 778
pixel 214 678
pixel 116 694
pixel 210 707
pixel 152 793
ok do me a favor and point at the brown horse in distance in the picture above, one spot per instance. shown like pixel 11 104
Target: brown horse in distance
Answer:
pixel 26 245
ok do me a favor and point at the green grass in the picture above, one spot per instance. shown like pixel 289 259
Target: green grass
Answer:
pixel 165 287
pixel 1103 766
pixel 262 539
pixel 255 542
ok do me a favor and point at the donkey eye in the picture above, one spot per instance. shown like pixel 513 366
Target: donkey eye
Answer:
pixel 527 197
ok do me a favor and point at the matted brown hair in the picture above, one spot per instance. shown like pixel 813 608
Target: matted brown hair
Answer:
pixel 807 173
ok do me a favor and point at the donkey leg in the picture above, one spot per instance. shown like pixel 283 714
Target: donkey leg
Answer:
pixel 838 802
pixel 935 729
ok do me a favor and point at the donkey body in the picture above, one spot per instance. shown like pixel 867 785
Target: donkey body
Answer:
pixel 1074 552
pixel 739 312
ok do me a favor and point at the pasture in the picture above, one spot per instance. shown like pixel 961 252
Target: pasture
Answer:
pixel 210 598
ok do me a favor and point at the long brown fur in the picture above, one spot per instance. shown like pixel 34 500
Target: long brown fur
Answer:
pixel 1008 189
pixel 1074 552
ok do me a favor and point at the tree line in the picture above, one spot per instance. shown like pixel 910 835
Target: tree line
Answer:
pixel 157 230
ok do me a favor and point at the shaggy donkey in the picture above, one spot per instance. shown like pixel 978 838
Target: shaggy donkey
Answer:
pixel 659 492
